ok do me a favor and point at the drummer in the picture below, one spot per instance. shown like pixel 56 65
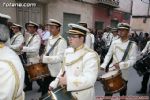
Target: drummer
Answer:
pixel 54 52
pixel 80 66
pixel 117 50
pixel 17 39
pixel 11 69
pixel 147 74
pixel 31 48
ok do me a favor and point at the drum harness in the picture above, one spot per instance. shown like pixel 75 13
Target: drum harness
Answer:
pixel 64 88
pixel 24 56
pixel 51 49
pixel 15 39
pixel 125 54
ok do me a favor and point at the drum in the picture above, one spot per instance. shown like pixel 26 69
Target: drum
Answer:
pixel 142 66
pixel 37 71
pixel 58 94
pixel 112 81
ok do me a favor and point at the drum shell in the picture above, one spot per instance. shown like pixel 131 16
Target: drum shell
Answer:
pixel 113 84
pixel 37 71
pixel 142 66
pixel 58 94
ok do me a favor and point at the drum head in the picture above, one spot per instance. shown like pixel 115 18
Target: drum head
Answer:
pixel 109 74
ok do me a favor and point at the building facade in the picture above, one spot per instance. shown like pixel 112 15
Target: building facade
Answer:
pixel 111 12
pixel 140 21
pixel 96 13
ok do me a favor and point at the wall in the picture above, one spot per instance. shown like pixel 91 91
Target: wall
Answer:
pixel 104 14
pixel 125 5
pixel 11 11
pixel 142 7
pixel 56 8
pixel 139 13
pixel 137 24
pixel 101 14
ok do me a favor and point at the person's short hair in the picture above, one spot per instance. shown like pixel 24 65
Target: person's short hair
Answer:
pixel 146 34
pixel 4 33
pixel 84 37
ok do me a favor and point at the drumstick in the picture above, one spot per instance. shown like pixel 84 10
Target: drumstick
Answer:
pixel 63 74
pixel 113 65
pixel 64 86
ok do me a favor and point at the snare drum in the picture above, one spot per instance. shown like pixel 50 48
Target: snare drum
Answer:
pixel 58 94
pixel 37 71
pixel 142 66
pixel 112 82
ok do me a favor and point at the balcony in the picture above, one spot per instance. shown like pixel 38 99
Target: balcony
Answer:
pixel 111 3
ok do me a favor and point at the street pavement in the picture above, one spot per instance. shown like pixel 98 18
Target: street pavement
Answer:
pixel 134 84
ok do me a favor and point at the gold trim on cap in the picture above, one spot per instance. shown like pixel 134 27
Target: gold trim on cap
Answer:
pixel 75 32
pixel 123 28
pixel 53 24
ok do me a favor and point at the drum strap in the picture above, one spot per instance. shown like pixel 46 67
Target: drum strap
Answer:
pixel 126 51
pixel 15 73
pixel 123 58
pixel 15 39
pixel 83 89
pixel 30 40
pixel 50 50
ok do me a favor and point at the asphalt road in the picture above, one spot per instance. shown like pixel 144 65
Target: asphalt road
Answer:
pixel 134 84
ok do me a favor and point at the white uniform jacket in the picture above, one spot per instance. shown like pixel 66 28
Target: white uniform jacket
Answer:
pixel 115 38
pixel 32 50
pixel 88 40
pixel 147 48
pixel 55 58
pixel 107 37
pixel 7 77
pixel 117 50
pixel 81 71
pixel 93 40
pixel 16 41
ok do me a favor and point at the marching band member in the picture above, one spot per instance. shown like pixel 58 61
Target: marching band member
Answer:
pixel 147 74
pixel 54 52
pixel 107 36
pixel 11 69
pixel 31 48
pixel 89 40
pixel 146 49
pixel 17 40
pixel 80 66
pixel 117 50
pixel 115 34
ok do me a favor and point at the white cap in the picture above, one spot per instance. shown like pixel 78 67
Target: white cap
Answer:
pixel 5 16
pixel 77 29
pixel 30 23
pixel 54 22
pixel 16 25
